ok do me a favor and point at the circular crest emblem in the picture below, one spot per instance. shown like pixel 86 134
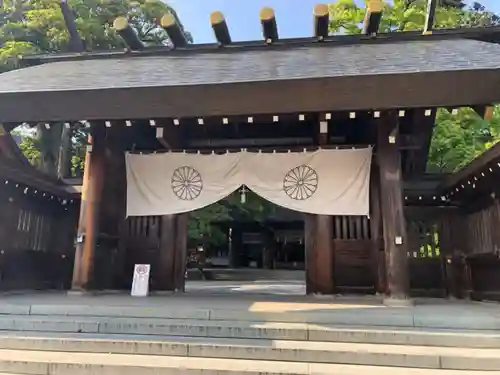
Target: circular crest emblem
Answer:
pixel 141 270
pixel 300 183
pixel 187 183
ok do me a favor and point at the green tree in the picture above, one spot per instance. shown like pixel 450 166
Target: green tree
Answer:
pixel 400 15
pixel 29 145
pixel 204 228
pixel 457 139
pixel 37 26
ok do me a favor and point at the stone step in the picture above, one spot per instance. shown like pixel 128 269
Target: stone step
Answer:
pixel 64 363
pixel 251 330
pixel 267 350
pixel 440 317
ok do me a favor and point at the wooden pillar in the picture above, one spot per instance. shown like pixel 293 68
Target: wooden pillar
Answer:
pixel 181 225
pixel 391 197
pixel 173 253
pixel 319 254
pixel 88 226
pixel 167 253
pixel 110 265
pixel 378 258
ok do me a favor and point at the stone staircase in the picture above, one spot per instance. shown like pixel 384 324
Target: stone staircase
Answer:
pixel 158 340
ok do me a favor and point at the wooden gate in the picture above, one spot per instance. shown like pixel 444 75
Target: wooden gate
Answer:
pixel 354 260
pixel 428 247
pixel 140 244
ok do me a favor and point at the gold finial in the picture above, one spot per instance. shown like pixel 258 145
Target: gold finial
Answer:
pixel 216 17
pixel 266 14
pixel 321 10
pixel 120 23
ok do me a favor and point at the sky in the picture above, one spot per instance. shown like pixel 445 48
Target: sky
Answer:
pixel 294 16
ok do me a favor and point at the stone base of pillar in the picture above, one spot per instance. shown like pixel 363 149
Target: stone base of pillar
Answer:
pixel 398 302
pixel 80 293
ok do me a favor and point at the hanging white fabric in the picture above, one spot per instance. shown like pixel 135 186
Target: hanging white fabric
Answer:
pixel 324 182
pixel 171 183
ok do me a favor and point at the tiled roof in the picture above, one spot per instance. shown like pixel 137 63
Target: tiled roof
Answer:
pixel 255 66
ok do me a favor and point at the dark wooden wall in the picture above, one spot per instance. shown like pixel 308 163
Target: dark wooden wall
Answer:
pixel 482 252
pixel 36 239
pixel 483 234
pixel 141 243
pixel 354 271
pixel 157 240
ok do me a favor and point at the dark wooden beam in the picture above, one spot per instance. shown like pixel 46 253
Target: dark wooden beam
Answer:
pixel 429 19
pixel 76 43
pixel 323 131
pixel 319 254
pixel 391 199
pixel 168 135
pixel 422 128
pixel 88 227
pixel 221 31
pixel 321 21
pixel 174 30
pixel 373 17
pixel 425 125
pixel 128 34
pixel 239 98
pixel 160 136
pixel 264 143
pixel 378 258
pixel 269 25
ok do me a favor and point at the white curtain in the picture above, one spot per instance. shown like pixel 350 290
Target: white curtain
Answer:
pixel 325 182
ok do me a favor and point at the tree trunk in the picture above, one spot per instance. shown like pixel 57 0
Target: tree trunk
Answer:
pixel 49 141
pixel 63 163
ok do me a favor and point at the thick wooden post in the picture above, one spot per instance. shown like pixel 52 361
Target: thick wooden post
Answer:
pixel 378 258
pixel 319 254
pixel 88 226
pixel 391 194
pixel 180 252
pixel 167 253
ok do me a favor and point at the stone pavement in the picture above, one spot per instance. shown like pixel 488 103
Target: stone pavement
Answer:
pixel 206 304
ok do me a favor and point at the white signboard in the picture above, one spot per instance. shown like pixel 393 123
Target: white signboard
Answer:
pixel 140 284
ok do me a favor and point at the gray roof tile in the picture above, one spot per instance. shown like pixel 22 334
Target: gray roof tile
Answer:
pixel 256 65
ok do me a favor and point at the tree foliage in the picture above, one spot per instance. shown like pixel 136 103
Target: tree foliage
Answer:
pixel 460 138
pixel 457 139
pixel 37 26
pixel 204 226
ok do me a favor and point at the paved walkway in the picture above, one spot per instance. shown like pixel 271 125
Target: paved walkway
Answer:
pixel 262 287
pixel 260 301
